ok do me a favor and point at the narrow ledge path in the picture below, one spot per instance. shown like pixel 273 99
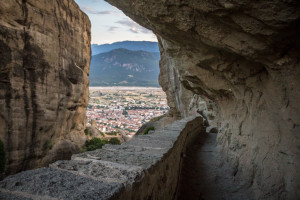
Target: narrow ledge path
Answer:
pixel 206 175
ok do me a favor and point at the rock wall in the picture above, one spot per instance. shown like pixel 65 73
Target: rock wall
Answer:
pixel 242 58
pixel 44 63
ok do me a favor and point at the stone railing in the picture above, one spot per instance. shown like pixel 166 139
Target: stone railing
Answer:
pixel 147 167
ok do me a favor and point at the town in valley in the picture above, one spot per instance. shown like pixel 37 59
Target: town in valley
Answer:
pixel 125 109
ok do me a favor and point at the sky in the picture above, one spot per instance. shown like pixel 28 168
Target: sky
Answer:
pixel 110 25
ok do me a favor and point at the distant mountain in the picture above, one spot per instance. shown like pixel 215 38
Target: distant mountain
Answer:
pixel 130 45
pixel 123 67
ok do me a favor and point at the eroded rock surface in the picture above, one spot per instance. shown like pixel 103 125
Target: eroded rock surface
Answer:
pixel 44 63
pixel 242 58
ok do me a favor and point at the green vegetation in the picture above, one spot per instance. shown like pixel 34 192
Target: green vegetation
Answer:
pixel 130 130
pixel 151 128
pixel 2 157
pixel 97 143
pixel 93 144
pixel 48 145
pixel 87 132
pixel 101 133
pixel 150 96
pixel 114 141
pixel 124 112
pixel 155 119
pixel 111 133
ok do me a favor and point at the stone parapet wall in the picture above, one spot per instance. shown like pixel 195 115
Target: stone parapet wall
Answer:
pixel 146 167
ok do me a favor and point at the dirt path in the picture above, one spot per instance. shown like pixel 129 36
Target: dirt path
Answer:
pixel 206 176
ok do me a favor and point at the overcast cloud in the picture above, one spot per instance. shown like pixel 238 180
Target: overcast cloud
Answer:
pixel 134 27
pixel 89 10
pixel 109 24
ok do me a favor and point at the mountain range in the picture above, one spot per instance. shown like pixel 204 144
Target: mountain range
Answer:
pixel 130 45
pixel 125 66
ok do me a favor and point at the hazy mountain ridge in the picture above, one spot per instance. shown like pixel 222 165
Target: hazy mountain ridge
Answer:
pixel 124 67
pixel 130 45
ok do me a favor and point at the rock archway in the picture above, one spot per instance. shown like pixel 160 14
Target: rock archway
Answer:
pixel 242 57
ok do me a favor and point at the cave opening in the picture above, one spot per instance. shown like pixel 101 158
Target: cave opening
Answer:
pixel 233 63
pixel 201 168
pixel 236 62
pixel 194 181
pixel 125 97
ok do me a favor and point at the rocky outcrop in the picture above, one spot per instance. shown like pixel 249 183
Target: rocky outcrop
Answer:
pixel 44 63
pixel 92 130
pixel 242 58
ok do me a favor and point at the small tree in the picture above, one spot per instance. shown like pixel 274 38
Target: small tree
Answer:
pixel 93 144
pixel 151 128
pixel 125 112
pixel 114 141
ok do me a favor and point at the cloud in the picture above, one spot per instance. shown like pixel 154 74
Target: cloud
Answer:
pixel 134 27
pixel 112 28
pixel 105 12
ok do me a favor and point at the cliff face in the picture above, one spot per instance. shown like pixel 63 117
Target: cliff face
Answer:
pixel 242 58
pixel 44 63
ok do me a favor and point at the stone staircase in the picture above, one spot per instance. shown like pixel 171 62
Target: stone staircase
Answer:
pixel 148 166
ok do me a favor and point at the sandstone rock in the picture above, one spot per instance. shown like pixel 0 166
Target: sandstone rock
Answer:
pixel 62 150
pixel 242 58
pixel 211 129
pixel 44 63
pixel 93 131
